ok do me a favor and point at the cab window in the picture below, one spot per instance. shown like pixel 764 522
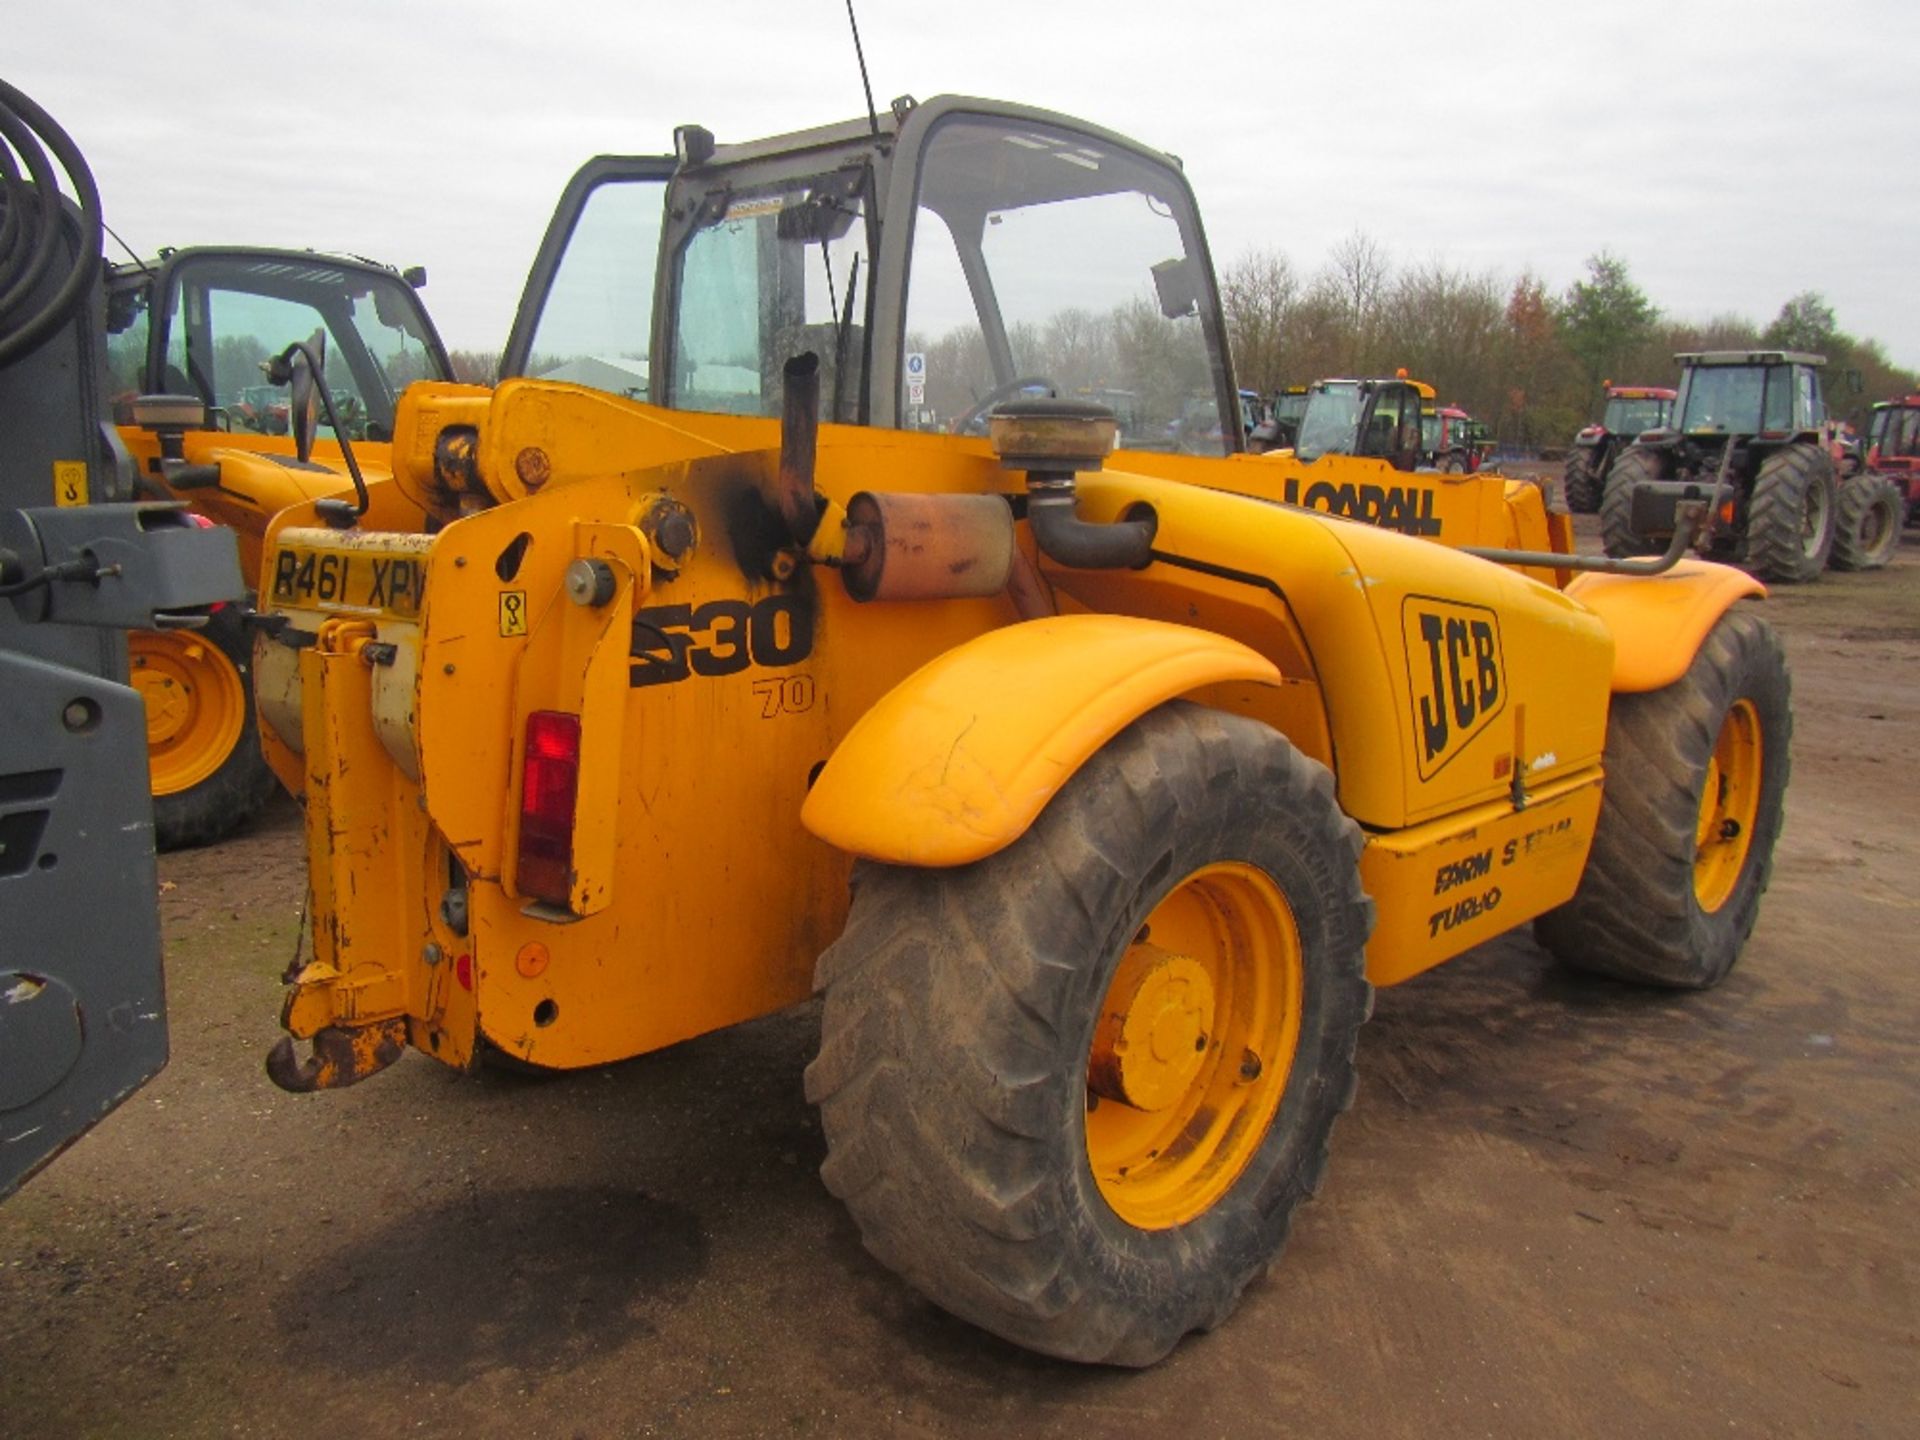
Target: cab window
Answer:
pixel 1046 261
pixel 596 320
pixel 767 276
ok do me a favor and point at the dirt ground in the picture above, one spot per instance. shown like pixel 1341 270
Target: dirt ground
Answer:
pixel 1560 1207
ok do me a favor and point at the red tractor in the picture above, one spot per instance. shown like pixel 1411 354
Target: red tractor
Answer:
pixel 1893 448
pixel 1449 440
pixel 1631 409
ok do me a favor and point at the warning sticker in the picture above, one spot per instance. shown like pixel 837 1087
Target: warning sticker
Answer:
pixel 69 482
pixel 513 612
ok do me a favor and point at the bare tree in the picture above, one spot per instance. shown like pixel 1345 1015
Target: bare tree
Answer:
pixel 1259 293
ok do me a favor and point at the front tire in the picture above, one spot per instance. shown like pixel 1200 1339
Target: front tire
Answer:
pixel 1790 522
pixel 1628 469
pixel 203 746
pixel 1696 780
pixel 1867 524
pixel 1073 1093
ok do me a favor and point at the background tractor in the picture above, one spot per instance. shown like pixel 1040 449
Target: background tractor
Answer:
pixel 1281 427
pixel 1893 449
pixel 1448 440
pixel 195 328
pixel 1631 409
pixel 1092 791
pixel 1747 437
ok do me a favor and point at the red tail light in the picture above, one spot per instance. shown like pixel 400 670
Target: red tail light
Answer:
pixel 549 781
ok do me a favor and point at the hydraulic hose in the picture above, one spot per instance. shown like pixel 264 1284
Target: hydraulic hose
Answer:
pixel 30 225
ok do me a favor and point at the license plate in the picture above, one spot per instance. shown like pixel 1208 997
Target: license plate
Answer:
pixel 360 582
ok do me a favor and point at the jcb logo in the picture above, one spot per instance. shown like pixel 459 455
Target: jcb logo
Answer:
pixel 1458 679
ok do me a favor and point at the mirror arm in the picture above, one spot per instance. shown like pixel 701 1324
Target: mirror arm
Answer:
pixel 337 513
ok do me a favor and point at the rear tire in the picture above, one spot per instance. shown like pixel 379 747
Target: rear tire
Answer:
pixel 1867 524
pixel 1580 484
pixel 203 745
pixel 1669 895
pixel 1628 469
pixel 1790 520
pixel 968 1014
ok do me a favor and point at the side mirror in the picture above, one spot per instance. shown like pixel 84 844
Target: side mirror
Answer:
pixel 1177 283
pixel 303 381
pixel 1856 383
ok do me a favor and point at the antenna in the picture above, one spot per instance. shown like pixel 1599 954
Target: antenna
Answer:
pixel 873 117
pixel 126 247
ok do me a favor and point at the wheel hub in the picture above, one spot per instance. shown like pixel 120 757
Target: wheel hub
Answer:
pixel 1729 803
pixel 168 696
pixel 1153 1031
pixel 196 703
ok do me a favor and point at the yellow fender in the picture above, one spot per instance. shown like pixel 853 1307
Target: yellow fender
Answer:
pixel 1658 622
pixel 957 760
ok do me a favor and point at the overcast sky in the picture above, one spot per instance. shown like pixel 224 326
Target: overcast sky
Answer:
pixel 1734 154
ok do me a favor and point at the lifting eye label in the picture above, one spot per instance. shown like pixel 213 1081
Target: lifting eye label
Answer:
pixel 69 482
pixel 513 612
pixel 1458 678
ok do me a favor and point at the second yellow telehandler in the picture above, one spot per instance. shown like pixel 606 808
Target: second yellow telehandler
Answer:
pixel 188 334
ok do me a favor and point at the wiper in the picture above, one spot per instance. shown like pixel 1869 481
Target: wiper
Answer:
pixel 842 330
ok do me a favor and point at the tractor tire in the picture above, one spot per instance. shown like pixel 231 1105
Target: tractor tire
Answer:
pixel 1790 519
pixel 1696 778
pixel 203 746
pixel 1628 469
pixel 1868 522
pixel 1183 926
pixel 1580 485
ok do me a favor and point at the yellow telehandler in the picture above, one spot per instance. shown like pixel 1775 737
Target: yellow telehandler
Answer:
pixel 187 335
pixel 1094 790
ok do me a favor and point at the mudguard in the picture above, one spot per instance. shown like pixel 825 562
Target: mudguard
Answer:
pixel 957 760
pixel 1658 622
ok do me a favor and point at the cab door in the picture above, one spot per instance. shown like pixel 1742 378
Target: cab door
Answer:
pixel 587 313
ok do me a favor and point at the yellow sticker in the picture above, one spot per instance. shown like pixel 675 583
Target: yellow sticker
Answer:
pixel 69 482
pixel 513 612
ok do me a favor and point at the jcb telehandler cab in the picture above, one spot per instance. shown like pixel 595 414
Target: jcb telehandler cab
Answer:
pixel 1093 791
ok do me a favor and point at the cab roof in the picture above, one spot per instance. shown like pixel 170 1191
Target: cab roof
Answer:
pixel 1750 357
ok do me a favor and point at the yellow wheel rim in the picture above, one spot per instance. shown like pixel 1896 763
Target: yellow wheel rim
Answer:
pixel 1193 1046
pixel 196 705
pixel 1728 804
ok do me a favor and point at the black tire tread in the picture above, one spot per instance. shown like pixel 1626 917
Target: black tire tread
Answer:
pixel 1775 549
pixel 1635 916
pixel 1580 484
pixel 1629 467
pixel 1860 497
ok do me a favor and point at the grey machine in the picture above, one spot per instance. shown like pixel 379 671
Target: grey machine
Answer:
pixel 82 1005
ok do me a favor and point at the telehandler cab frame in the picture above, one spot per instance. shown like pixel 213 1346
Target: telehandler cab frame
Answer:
pixel 188 331
pixel 1101 786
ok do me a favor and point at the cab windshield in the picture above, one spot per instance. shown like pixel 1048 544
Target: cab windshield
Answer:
pixel 1044 259
pixel 1739 399
pixel 225 316
pixel 1331 423
pixel 1896 430
pixel 1632 416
